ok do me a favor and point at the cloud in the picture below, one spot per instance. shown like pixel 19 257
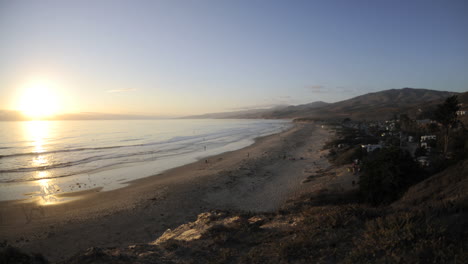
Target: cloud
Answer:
pixel 121 90
pixel 317 89
pixel 321 89
pixel 278 101
pixel 347 90
pixel 254 107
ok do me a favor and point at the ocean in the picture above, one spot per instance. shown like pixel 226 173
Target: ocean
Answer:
pixel 40 159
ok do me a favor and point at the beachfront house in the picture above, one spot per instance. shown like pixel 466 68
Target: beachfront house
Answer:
pixel 371 147
pixel 426 138
pixel 427 141
pixel 423 161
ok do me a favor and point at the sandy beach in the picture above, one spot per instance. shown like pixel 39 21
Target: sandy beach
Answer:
pixel 258 178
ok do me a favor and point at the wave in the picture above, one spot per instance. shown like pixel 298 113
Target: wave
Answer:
pixel 173 140
pixel 83 157
pixel 81 162
pixel 202 137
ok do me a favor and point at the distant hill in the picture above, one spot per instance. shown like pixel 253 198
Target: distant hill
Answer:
pixel 262 113
pixel 7 115
pixel 417 103
pixel 382 105
pixel 425 110
pixel 371 106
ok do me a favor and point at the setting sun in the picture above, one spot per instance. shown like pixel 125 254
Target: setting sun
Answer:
pixel 39 101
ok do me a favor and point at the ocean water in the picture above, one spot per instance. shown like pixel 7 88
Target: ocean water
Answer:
pixel 41 159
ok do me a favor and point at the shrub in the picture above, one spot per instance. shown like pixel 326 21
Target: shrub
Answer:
pixel 387 175
pixel 409 237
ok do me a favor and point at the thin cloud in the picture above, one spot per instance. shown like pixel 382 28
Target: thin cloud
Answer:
pixel 321 89
pixel 254 107
pixel 121 90
pixel 317 89
pixel 348 90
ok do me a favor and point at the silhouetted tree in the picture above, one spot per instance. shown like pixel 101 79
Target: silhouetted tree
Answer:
pixel 405 122
pixel 347 119
pixel 446 115
pixel 387 175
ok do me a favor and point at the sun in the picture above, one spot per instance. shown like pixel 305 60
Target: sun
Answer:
pixel 39 101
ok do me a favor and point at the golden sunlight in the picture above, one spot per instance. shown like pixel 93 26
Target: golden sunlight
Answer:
pixel 48 190
pixel 36 131
pixel 39 101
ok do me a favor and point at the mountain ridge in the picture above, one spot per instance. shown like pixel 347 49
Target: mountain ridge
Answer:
pixel 370 106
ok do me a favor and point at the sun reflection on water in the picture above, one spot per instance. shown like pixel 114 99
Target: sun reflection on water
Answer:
pixel 48 191
pixel 40 160
pixel 37 133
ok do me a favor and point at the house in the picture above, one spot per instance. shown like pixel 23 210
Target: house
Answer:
pixel 423 161
pixel 426 138
pixel 428 141
pixel 371 147
pixel 461 113
pixel 390 125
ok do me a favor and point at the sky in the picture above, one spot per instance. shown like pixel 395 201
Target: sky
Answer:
pixel 190 57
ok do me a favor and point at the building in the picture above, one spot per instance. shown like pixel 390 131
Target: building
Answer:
pixel 426 138
pixel 423 161
pixel 370 147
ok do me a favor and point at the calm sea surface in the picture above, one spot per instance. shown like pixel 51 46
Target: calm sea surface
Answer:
pixel 40 159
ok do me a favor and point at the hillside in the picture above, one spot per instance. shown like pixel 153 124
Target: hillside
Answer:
pixel 384 104
pixel 262 113
pixel 428 225
pixel 371 106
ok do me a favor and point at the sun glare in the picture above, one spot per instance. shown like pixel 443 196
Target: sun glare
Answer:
pixel 39 101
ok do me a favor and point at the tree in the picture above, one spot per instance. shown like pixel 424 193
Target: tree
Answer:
pixel 387 175
pixel 446 115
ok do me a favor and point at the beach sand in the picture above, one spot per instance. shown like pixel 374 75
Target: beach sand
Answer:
pixel 257 178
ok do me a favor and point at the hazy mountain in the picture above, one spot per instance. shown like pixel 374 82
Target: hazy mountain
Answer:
pixel 371 106
pixel 104 116
pixel 263 113
pixel 250 113
pixel 383 104
pixel 7 115
pixel 417 103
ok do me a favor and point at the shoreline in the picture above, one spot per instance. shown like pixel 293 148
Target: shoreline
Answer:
pixel 50 187
pixel 260 177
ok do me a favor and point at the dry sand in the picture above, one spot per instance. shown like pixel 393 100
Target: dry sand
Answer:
pixel 258 178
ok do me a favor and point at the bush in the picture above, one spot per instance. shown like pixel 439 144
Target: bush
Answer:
pixel 406 237
pixel 10 254
pixel 387 175
pixel 420 152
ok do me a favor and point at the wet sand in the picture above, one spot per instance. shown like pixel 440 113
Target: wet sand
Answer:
pixel 258 178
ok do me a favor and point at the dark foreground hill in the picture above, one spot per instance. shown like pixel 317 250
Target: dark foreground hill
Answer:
pixel 429 224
